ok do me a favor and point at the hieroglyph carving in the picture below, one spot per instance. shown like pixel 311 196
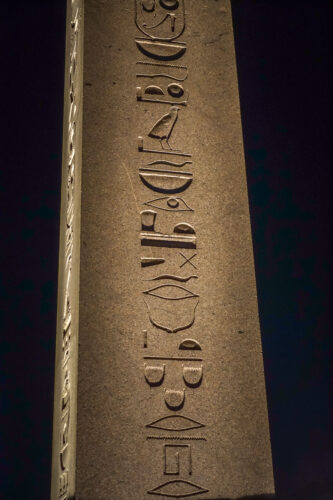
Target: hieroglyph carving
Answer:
pixel 172 462
pixel 164 127
pixel 70 209
pixel 173 94
pixel 175 423
pixel 160 19
pixel 148 69
pixel 171 306
pixel 188 260
pixel 178 489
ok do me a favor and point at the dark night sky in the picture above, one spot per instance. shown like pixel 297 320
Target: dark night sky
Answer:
pixel 283 55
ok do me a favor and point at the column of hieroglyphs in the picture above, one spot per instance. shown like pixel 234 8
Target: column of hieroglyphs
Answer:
pixel 170 300
pixel 64 435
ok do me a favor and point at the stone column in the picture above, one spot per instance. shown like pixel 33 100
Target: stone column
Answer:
pixel 170 390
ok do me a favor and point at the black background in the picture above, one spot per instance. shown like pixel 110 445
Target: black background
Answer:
pixel 283 56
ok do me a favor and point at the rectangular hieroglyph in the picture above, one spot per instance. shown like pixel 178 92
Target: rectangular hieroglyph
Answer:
pixel 171 394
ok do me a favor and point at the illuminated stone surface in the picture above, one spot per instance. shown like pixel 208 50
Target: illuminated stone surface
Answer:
pixel 171 395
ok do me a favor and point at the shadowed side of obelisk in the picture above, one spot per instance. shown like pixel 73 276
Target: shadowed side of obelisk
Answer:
pixel 65 388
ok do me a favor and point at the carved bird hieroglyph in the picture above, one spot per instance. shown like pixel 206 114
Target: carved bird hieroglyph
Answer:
pixel 164 126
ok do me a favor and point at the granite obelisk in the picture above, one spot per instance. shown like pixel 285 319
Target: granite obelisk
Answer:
pixel 160 387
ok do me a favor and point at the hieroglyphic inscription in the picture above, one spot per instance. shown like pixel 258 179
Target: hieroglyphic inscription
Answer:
pixel 172 458
pixel 171 306
pixel 178 488
pixel 157 70
pixel 170 204
pixel 188 260
pixel 70 159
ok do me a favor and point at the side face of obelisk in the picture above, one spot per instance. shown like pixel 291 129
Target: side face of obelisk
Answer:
pixel 171 391
pixel 65 388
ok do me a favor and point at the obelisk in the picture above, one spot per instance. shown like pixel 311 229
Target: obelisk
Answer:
pixel 160 389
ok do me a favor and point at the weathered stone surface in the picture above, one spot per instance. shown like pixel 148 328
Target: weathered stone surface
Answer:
pixel 171 394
